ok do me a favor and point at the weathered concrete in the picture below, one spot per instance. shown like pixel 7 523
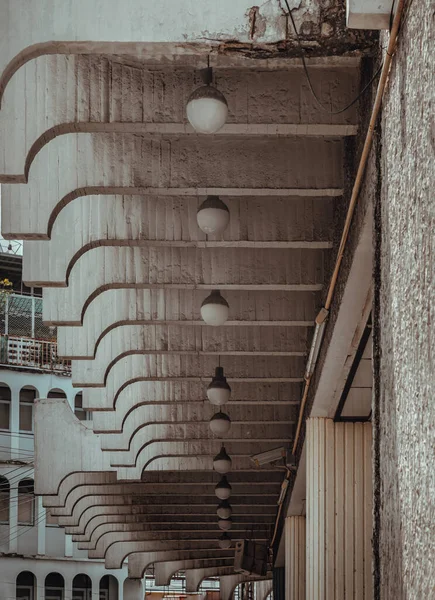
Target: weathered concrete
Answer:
pixel 167 162
pixel 162 221
pixel 404 339
pixel 153 100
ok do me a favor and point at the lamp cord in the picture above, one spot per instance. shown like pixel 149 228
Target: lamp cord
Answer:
pixel 307 75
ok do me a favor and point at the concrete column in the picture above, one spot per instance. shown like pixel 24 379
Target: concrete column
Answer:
pixel 40 519
pixel 133 589
pixel 68 594
pixel 13 517
pixel 15 423
pixel 95 587
pixel 295 558
pixel 68 545
pixel 339 510
pixel 8 591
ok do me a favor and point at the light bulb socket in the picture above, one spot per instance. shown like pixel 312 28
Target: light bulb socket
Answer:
pixel 213 202
pixel 215 298
pixel 207 91
pixel 223 488
pixel 224 541
pixel 222 462
pixel 219 381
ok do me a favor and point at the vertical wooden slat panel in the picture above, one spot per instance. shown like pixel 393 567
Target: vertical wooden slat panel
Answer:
pixel 349 522
pixel 339 509
pixel 321 507
pixel 295 557
pixel 339 520
pixel 368 517
pixel 330 547
pixel 359 511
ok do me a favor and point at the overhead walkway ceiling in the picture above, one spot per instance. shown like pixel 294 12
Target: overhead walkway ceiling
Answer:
pixel 103 182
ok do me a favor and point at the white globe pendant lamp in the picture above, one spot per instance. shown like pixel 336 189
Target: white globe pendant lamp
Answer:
pixel 224 510
pixel 207 108
pixel 224 541
pixel 223 489
pixel 220 424
pixel 222 462
pixel 213 216
pixel 219 392
pixel 225 524
pixel 215 309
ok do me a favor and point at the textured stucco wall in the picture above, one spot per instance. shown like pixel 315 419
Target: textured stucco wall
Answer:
pixel 405 315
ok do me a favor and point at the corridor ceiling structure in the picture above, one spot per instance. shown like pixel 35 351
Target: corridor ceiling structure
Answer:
pixel 103 183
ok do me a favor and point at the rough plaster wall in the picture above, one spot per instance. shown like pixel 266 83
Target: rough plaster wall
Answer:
pixel 406 534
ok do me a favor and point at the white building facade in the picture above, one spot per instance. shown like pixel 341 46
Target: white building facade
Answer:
pixel 37 559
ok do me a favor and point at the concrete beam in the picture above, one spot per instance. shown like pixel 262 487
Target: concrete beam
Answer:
pixel 137 368
pixel 60 171
pixel 49 79
pixel 294 271
pixel 282 398
pixel 76 485
pixel 115 220
pixel 164 571
pixel 147 440
pixel 194 577
pixel 116 307
pixel 116 550
pixel 138 562
pixel 184 341
pixel 91 507
pixel 228 583
pixel 184 413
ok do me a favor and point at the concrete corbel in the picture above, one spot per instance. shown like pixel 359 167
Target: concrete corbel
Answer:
pixel 120 550
pixel 56 427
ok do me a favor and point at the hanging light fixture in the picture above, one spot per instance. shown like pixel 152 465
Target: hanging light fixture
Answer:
pixel 223 489
pixel 213 215
pixel 219 392
pixel 215 309
pixel 220 423
pixel 224 541
pixel 222 462
pixel 225 524
pixel 224 510
pixel 207 108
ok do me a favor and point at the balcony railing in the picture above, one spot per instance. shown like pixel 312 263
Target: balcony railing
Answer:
pixel 32 354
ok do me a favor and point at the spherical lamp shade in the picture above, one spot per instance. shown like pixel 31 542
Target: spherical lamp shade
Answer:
pixel 224 510
pixel 220 424
pixel 225 524
pixel 222 462
pixel 223 489
pixel 207 109
pixel 224 541
pixel 213 216
pixel 219 392
pixel 215 309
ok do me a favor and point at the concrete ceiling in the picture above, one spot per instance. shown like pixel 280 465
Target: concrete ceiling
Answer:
pixel 107 179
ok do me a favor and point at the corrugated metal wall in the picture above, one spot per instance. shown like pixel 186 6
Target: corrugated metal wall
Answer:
pixel 339 510
pixel 295 552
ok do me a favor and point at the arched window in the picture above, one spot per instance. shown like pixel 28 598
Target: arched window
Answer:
pixel 81 587
pixel 26 502
pixel 26 584
pixel 79 411
pixel 4 499
pixel 5 406
pixel 27 399
pixel 108 588
pixel 56 393
pixel 54 587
